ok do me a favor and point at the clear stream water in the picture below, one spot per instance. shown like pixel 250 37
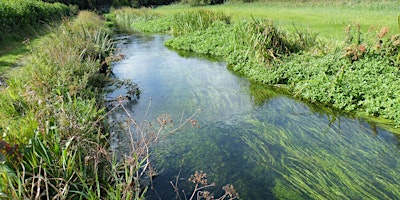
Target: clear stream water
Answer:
pixel 268 145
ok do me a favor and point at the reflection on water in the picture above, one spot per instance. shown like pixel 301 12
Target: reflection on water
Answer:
pixel 267 145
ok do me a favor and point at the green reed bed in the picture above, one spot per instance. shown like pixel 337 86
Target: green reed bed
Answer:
pixel 54 142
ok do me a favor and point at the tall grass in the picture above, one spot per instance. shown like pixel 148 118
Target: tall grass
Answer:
pixel 266 43
pixel 149 20
pixel 126 18
pixel 52 136
pixel 196 20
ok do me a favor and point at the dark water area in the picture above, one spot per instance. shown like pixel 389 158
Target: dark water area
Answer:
pixel 266 144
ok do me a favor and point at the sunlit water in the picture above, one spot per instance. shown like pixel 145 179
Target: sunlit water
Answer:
pixel 266 144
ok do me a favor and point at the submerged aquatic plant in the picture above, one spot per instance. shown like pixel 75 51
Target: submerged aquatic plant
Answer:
pixel 329 164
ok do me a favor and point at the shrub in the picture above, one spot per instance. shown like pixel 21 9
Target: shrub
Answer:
pixel 19 17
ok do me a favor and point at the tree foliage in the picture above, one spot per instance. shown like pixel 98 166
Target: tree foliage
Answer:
pixel 104 5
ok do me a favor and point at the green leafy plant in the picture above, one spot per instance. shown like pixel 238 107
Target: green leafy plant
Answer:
pixel 19 17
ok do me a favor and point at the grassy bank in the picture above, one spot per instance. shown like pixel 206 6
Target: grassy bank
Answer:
pixel 54 140
pixel 353 66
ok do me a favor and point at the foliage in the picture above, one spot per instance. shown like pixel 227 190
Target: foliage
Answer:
pixel 149 20
pixel 19 17
pixel 196 20
pixel 265 43
pixel 216 40
pixel 201 2
pixel 127 19
pixel 50 113
pixel 105 5
pixel 85 4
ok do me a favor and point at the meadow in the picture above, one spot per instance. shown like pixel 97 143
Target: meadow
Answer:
pixel 327 18
pixel 344 55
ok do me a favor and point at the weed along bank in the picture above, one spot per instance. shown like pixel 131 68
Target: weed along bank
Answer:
pixel 54 138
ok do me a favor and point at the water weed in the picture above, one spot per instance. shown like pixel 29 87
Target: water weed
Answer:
pixel 320 172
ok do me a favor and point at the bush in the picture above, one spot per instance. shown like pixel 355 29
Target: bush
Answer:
pixel 19 17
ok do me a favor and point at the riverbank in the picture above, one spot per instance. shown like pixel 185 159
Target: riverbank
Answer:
pixel 357 74
pixel 54 139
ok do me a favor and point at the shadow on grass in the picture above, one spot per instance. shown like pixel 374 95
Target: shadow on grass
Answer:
pixel 11 55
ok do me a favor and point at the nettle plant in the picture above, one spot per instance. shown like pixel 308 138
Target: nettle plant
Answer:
pixel 359 45
pixel 355 48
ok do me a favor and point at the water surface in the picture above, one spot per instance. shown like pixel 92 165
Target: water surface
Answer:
pixel 268 145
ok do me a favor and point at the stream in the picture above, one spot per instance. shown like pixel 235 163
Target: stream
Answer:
pixel 263 142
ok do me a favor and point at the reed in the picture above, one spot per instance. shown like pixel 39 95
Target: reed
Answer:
pixel 196 20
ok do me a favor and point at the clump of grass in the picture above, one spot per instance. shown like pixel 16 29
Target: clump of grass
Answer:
pixel 128 19
pixel 196 20
pixel 264 42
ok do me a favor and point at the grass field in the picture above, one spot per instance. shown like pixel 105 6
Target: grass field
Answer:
pixel 326 18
